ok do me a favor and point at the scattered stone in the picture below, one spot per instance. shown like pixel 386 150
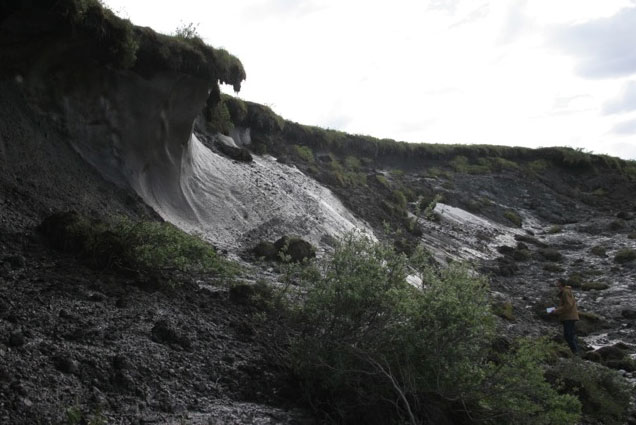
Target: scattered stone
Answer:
pixel 629 314
pixel 164 333
pixel 16 339
pixel 15 262
pixel 4 306
pixel 625 215
pixel 265 250
pixel 121 362
pixel 65 364
pixel 97 297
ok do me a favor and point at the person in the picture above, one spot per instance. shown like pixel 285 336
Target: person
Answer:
pixel 568 314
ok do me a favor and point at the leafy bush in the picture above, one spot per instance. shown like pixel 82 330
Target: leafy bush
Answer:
pixel 554 229
pixel 513 217
pixel 125 244
pixel 598 286
pixel 352 163
pixel 599 251
pixel 504 310
pixel 604 395
pixel 304 153
pixel 187 31
pixel 374 349
pixel 625 255
pixel 553 268
pixel 399 198
pixel 550 254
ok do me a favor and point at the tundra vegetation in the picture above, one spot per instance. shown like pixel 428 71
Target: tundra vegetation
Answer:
pixel 370 347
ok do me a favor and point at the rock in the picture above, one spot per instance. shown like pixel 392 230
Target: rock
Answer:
pixel 97 297
pixel 165 333
pixel 4 306
pixel 120 362
pixel 16 339
pixel 65 364
pixel 629 314
pixel 624 215
pixel 611 353
pixel 238 154
pixel 550 254
pixel 64 314
pixel 15 261
pixel 295 248
pixel 265 250
pixel 506 266
pixel 55 227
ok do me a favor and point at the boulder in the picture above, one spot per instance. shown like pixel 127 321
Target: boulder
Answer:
pixel 165 333
pixel 55 229
pixel 294 248
pixel 233 152
pixel 265 250
pixel 629 314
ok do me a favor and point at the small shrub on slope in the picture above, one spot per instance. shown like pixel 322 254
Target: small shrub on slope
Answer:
pixel 125 244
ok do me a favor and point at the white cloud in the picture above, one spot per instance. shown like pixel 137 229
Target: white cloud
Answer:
pixel 604 48
pixel 427 71
pixel 625 102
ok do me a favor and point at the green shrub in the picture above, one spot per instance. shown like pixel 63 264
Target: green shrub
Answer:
pixel 554 229
pixel 599 251
pixel 505 164
pixel 352 163
pixel 382 180
pixel 550 254
pixel 374 349
pixel 219 118
pixel 399 198
pixel 538 166
pixel 121 243
pixel 604 395
pixel 597 286
pixel 504 310
pixel 513 217
pixel 521 254
pixel 303 152
pixel 553 268
pixel 625 255
pixel 236 107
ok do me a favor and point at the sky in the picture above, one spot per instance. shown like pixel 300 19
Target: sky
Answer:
pixel 506 72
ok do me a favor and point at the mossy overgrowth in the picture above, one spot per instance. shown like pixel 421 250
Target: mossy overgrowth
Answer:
pixel 513 217
pixel 117 42
pixel 373 349
pixel 599 251
pixel 124 244
pixel 504 310
pixel 625 255
pixel 476 159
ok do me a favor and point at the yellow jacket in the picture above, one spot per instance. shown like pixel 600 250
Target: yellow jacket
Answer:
pixel 567 305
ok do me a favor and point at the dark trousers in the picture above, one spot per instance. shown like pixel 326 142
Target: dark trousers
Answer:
pixel 569 333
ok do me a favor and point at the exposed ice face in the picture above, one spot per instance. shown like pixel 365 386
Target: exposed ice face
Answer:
pixel 236 205
pixel 460 235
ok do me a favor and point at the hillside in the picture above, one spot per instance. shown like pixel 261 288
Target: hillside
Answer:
pixel 115 139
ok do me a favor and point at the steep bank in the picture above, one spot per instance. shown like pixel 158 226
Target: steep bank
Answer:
pixel 523 216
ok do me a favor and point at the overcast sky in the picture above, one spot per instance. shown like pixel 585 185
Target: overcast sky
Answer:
pixel 510 72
